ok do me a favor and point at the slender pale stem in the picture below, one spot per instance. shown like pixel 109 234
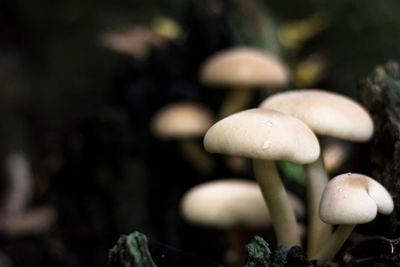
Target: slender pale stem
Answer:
pixel 316 180
pixel 236 100
pixel 195 154
pixel 281 211
pixel 334 243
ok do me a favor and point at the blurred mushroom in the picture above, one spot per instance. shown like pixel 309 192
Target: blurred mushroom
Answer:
pixel 347 200
pixel 328 114
pixel 29 222
pixel 335 153
pixel 136 41
pixel 233 205
pixel 242 69
pixel 265 136
pixel 20 183
pixel 186 122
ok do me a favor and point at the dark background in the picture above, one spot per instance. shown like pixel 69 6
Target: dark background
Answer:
pixel 81 112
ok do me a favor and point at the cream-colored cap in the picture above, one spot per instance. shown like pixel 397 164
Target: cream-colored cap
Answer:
pixel 243 66
pixel 183 119
pixel 353 198
pixel 263 134
pixel 326 113
pixel 230 202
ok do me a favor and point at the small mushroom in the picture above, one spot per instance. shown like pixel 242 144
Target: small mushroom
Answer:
pixel 233 205
pixel 242 69
pixel 136 41
pixel 327 114
pixel 347 200
pixel 335 152
pixel 265 136
pixel 185 122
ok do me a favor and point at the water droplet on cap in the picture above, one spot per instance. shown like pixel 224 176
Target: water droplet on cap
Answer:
pixel 266 144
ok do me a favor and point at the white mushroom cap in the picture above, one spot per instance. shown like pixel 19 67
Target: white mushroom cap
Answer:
pixel 243 66
pixel 182 119
pixel 326 113
pixel 263 134
pixel 353 198
pixel 230 202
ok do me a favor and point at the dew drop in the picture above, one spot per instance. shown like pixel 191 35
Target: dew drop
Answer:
pixel 349 174
pixel 269 123
pixel 340 189
pixel 267 144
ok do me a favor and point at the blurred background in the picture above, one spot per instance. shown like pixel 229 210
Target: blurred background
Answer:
pixel 81 81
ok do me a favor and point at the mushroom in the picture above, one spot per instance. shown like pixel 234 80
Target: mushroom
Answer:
pixel 335 153
pixel 185 122
pixel 242 68
pixel 20 183
pixel 347 200
pixel 136 41
pixel 328 114
pixel 265 136
pixel 233 205
pixel 34 220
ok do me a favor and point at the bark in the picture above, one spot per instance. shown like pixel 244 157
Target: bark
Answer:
pixel 381 96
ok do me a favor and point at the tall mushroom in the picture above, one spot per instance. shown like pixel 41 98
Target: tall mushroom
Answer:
pixel 347 200
pixel 185 122
pixel 328 114
pixel 233 205
pixel 266 136
pixel 242 69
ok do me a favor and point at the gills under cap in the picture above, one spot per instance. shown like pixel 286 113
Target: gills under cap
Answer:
pixel 353 198
pixel 243 66
pixel 263 134
pixel 326 113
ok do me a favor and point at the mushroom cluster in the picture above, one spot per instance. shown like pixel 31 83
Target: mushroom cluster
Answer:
pixel 327 114
pixel 286 126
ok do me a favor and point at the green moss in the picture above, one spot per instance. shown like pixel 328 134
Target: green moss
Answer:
pixel 258 253
pixel 131 251
pixel 292 171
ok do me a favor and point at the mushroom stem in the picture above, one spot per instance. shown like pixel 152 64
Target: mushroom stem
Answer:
pixel 236 100
pixel 316 180
pixel 237 239
pixel 281 211
pixel 334 243
pixel 194 153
